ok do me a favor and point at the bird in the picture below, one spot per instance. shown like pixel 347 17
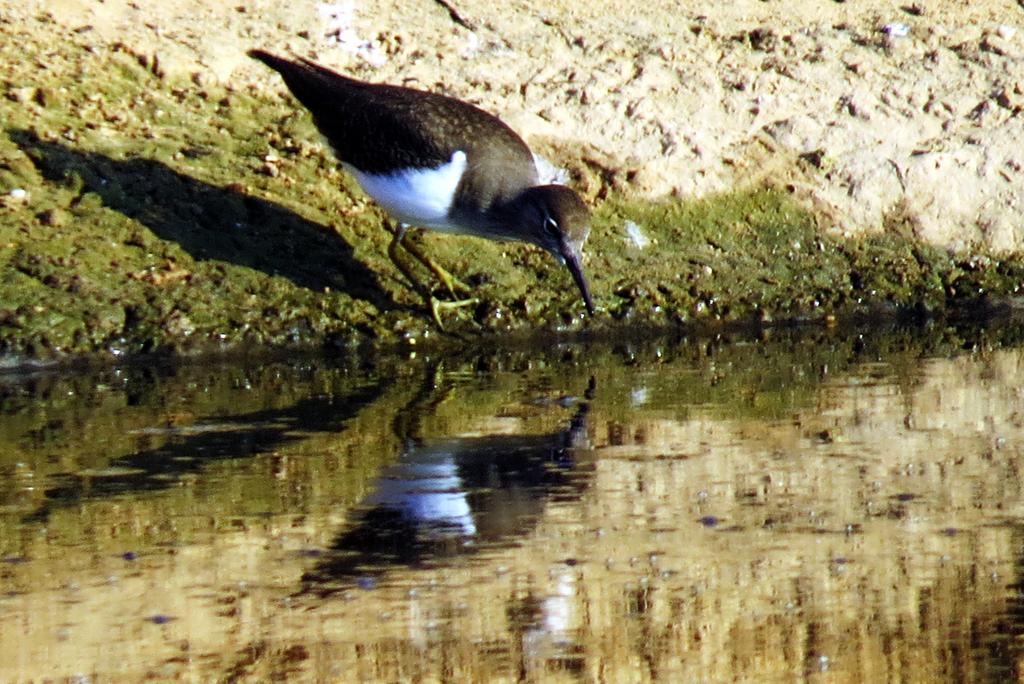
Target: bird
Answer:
pixel 438 163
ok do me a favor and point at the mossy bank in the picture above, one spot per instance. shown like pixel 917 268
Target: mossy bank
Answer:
pixel 143 213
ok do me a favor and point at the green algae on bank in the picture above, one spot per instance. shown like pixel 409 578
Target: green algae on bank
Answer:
pixel 141 213
pixel 757 254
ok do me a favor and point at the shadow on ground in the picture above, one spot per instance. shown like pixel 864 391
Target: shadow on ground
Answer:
pixel 210 222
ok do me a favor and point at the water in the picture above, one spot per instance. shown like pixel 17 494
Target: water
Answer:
pixel 826 506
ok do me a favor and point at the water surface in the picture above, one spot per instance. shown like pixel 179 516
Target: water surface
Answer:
pixel 833 507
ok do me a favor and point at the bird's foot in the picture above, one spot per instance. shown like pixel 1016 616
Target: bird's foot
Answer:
pixel 436 305
pixel 454 286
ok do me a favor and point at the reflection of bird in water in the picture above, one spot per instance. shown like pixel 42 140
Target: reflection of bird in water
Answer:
pixel 445 497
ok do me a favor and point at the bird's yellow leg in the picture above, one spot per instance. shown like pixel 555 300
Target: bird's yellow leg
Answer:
pixel 454 286
pixel 450 282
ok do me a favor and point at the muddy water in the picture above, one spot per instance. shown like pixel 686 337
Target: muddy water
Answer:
pixel 826 507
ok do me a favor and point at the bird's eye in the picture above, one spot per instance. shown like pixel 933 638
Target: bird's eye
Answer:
pixel 551 226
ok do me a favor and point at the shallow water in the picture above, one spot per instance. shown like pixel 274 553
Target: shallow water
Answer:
pixel 826 506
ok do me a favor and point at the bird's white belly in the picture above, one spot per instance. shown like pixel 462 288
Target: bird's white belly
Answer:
pixel 419 197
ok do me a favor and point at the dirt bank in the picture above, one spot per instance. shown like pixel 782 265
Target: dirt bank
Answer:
pixel 868 108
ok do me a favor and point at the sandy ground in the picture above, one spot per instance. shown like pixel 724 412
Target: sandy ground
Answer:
pixel 868 111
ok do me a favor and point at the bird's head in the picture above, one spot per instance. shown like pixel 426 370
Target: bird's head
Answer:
pixel 555 218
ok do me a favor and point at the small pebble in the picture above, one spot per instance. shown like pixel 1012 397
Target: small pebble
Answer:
pixel 896 30
pixel 636 235
pixel 54 218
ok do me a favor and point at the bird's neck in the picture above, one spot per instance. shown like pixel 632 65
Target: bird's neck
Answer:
pixel 505 219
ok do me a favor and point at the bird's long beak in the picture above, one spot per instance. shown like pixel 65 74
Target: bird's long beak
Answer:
pixel 574 260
